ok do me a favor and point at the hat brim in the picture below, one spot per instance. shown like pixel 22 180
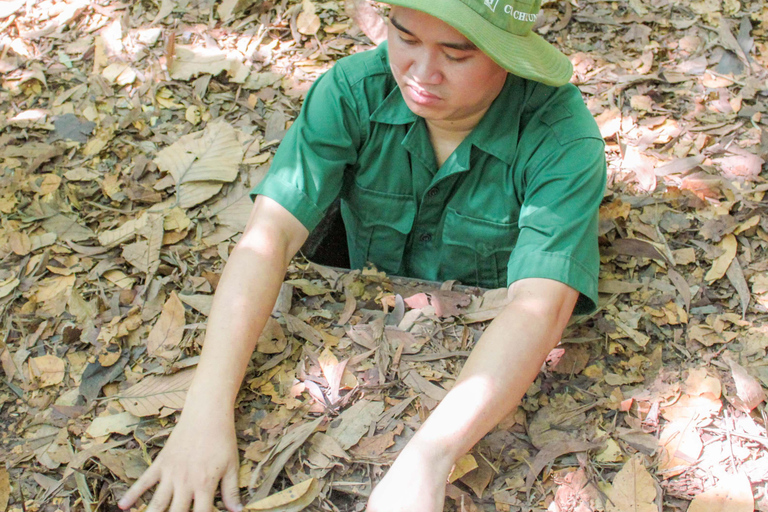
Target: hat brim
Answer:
pixel 528 56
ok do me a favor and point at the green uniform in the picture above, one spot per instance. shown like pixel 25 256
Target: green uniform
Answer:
pixel 517 199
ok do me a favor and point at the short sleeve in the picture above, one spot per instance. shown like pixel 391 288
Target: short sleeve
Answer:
pixel 565 181
pixel 307 171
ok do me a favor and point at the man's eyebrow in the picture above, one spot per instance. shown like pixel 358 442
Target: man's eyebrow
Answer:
pixel 464 46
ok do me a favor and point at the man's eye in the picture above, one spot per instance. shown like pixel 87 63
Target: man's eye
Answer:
pixel 453 58
pixel 407 41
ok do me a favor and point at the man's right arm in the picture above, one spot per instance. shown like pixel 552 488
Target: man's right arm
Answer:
pixel 202 449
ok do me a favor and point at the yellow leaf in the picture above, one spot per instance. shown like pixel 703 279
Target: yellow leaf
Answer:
pixel 633 489
pixel 308 23
pixel 168 331
pixel 5 488
pixel 292 499
pixel 463 466
pixel 119 279
pixel 48 370
pixel 733 493
pixel 729 245
pixel 747 224
pixel 7 286
pixel 201 162
pixel 157 392
pixel 20 243
pixel 681 447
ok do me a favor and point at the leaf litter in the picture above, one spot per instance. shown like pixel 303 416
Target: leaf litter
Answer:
pixel 129 139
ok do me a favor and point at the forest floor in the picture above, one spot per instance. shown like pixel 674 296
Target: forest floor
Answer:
pixel 130 134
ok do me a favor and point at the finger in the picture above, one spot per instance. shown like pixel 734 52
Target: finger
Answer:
pixel 162 498
pixel 230 491
pixel 139 487
pixel 181 501
pixel 203 501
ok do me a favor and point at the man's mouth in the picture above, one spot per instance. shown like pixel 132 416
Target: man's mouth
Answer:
pixel 422 96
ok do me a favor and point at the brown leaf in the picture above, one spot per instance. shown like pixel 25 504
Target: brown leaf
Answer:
pixel 292 499
pixel 736 277
pixel 479 479
pixel 20 243
pixel 5 488
pixel 373 448
pixel 366 17
pixel 47 370
pixel 157 392
pixel 635 247
pixel 733 493
pixel 633 489
pixel 464 465
pixel 354 422
pixel 573 361
pixel 749 392
pixel 681 447
pixel 729 246
pixel 168 331
pixel 552 451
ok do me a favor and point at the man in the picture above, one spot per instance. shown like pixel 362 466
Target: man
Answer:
pixel 458 151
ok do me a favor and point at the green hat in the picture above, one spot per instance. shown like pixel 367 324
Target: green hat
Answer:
pixel 503 30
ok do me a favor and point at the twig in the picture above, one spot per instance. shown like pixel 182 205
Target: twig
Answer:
pixel 759 439
pixel 21 494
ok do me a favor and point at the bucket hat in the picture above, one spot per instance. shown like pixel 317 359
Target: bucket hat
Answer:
pixel 503 30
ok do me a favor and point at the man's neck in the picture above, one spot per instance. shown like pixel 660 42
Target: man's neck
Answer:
pixel 452 130
pixel 446 136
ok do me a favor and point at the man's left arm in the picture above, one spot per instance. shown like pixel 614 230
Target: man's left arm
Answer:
pixel 501 368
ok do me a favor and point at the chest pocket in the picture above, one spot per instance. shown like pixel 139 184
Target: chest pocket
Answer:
pixel 476 251
pixel 378 224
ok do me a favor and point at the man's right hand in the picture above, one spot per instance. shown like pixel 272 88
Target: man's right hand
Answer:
pixel 200 452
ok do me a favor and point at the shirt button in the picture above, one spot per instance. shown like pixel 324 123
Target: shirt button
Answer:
pixel 433 192
pixel 426 237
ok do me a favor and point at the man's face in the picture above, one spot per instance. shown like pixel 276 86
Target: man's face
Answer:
pixel 441 74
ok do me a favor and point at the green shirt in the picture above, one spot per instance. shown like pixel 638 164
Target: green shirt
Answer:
pixel 517 199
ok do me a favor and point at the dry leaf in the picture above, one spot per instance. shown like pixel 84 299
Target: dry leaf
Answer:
pixel 5 488
pixel 729 245
pixel 633 489
pixel 201 162
pixel 168 331
pixel 749 392
pixel 153 393
pixel 733 493
pixel 464 465
pixel 122 423
pixel 292 499
pixel 47 370
pixel 479 479
pixel 308 23
pixel 681 447
pixel 354 422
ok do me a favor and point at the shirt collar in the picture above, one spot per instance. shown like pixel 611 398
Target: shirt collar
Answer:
pixel 497 132
pixel 393 110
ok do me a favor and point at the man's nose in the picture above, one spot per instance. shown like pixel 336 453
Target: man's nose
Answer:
pixel 426 69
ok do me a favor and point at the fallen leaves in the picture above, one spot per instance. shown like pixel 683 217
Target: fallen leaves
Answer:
pixel 130 142
pixel 633 489
pixel 733 493
pixel 164 338
pixel 292 499
pixel 201 162
pixel 157 394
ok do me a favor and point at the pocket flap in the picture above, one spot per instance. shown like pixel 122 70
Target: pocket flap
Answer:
pixel 481 235
pixel 374 208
